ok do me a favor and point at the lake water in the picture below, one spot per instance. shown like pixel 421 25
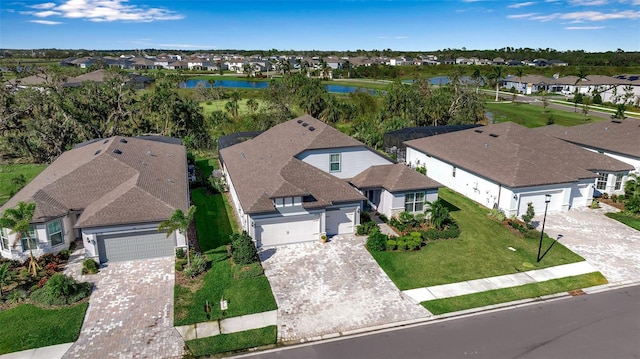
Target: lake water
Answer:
pixel 265 84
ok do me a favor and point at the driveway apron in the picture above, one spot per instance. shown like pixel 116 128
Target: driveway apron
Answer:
pixel 610 246
pixel 331 288
pixel 130 313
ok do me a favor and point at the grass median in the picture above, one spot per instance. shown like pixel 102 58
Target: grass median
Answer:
pixel 628 219
pixel 232 342
pixel 476 300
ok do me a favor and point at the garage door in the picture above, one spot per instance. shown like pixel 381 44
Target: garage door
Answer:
pixel 538 202
pixel 138 245
pixel 287 230
pixel 340 221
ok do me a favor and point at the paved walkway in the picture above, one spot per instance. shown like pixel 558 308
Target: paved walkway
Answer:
pixel 130 313
pixel 228 325
pixel 499 282
pixel 324 289
pixel 610 246
pixel 50 352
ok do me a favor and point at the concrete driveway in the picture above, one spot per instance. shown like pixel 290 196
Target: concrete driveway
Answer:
pixel 610 246
pixel 130 313
pixel 324 289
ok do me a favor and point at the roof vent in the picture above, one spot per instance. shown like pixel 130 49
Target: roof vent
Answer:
pixel 243 156
pixel 606 128
pixel 493 135
pixel 299 121
pixel 616 121
pixel 311 128
pixel 123 140
pixel 117 151
pixel 486 145
pixel 478 131
pixel 97 152
pixel 304 124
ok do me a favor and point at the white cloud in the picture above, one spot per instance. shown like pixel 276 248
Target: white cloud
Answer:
pixel 522 16
pixel 522 4
pixel 588 2
pixel 584 27
pixel 104 11
pixel 45 22
pixel 43 6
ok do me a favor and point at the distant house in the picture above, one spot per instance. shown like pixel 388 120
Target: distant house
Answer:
pixel 110 193
pixel 99 76
pixel 303 178
pixel 507 166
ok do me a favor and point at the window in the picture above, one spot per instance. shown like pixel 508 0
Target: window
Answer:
pixel 55 232
pixel 619 181
pixel 414 202
pixel 29 240
pixel 601 182
pixel 4 239
pixel 334 162
pixel 453 172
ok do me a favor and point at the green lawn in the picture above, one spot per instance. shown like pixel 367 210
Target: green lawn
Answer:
pixel 481 251
pixel 535 116
pixel 628 219
pixel 8 172
pixel 218 105
pixel 440 306
pixel 231 342
pixel 27 326
pixel 245 296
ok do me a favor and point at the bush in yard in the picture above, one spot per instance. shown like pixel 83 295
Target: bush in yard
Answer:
pixel 383 218
pixel 528 216
pixel 377 242
pixel 451 231
pixel 439 215
pixel 614 198
pixel 392 244
pixel 365 217
pixel 61 290
pixel 402 245
pixel 89 266
pixel 366 228
pixel 243 250
pixel 516 225
pixel 180 253
pixel 198 265
pixel 497 214
pixel 64 254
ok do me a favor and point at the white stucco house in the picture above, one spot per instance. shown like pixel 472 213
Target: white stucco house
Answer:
pixel 299 180
pixel 110 193
pixel 619 139
pixel 506 166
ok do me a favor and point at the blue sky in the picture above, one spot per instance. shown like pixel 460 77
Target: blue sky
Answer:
pixel 402 25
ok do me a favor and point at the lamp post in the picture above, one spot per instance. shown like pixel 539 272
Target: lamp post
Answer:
pixel 547 199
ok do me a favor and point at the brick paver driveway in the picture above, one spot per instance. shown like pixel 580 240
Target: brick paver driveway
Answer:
pixel 331 288
pixel 130 313
pixel 610 246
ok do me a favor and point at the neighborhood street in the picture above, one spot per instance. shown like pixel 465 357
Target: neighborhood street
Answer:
pixel 600 325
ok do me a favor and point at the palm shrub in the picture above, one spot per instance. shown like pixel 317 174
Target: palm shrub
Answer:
pixel 243 250
pixel 89 266
pixel 366 228
pixel 61 289
pixel 439 214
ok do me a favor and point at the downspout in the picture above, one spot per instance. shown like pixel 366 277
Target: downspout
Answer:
pixel 499 192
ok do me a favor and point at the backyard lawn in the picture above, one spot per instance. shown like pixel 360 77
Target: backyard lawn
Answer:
pixel 535 116
pixel 236 341
pixel 28 326
pixel 481 251
pixel 9 172
pixel 628 219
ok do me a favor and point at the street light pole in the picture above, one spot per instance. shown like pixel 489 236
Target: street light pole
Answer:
pixel 547 199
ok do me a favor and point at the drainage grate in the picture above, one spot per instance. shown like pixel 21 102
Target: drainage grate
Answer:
pixel 577 292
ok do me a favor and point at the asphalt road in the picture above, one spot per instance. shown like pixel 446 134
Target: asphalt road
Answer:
pixel 604 325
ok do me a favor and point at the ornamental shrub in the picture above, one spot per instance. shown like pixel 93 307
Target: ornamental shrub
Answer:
pixel 61 290
pixel 377 242
pixel 391 244
pixel 198 265
pixel 243 250
pixel 180 253
pixel 366 228
pixel 402 244
pixel 528 216
pixel 497 214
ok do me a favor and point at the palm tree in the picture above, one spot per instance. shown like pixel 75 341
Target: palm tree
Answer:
pixel 519 73
pixel 496 75
pixel 18 220
pixel 252 105
pixel 179 222
pixel 439 214
pixel 477 77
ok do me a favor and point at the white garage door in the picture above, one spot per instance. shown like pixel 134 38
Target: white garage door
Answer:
pixel 538 202
pixel 580 195
pixel 287 230
pixel 138 245
pixel 340 221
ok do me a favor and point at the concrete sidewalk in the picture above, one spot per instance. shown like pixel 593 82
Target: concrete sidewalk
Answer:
pixel 50 352
pixel 499 282
pixel 228 325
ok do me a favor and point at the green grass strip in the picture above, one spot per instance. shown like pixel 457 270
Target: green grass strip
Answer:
pixel 628 219
pixel 454 304
pixel 231 342
pixel 28 326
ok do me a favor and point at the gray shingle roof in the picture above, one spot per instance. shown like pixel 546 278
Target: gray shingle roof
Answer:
pixel 515 156
pixel 620 136
pixel 393 178
pixel 146 182
pixel 265 167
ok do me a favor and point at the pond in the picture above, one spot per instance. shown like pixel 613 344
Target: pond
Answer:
pixel 265 84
